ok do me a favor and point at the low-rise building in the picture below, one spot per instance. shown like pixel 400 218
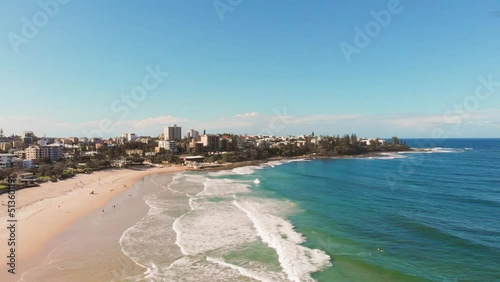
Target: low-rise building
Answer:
pixel 132 152
pixel 32 152
pixel 25 177
pixel 17 144
pixel 27 163
pixel 5 146
pixel 129 137
pixel 142 139
pixel 210 141
pixel 7 160
pixel 53 152
pixel 192 134
pixel 44 141
pixel 27 137
pixel 83 140
pixel 168 145
pixel 369 141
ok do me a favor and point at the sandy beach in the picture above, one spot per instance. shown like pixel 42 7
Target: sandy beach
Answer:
pixel 46 211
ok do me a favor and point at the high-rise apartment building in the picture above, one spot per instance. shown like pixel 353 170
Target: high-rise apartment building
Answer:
pixel 172 133
pixel 210 141
pixel 27 137
pixel 192 134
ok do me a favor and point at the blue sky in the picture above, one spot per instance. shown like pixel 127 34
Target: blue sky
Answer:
pixel 255 67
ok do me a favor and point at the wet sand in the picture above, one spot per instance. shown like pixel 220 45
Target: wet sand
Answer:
pixel 46 212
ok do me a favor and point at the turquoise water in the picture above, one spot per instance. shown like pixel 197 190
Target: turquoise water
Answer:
pixel 407 217
pixel 431 216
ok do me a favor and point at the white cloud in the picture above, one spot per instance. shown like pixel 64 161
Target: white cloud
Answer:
pixel 314 119
pixel 153 122
pixel 484 123
pixel 225 124
pixel 252 114
pixel 450 119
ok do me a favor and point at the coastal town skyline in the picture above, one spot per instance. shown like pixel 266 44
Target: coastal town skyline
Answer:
pixel 227 72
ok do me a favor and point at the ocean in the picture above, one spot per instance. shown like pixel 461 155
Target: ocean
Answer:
pixel 432 216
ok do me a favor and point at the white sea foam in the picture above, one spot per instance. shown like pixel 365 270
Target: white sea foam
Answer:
pixel 390 156
pixel 152 272
pixel 176 179
pixel 221 173
pixel 298 262
pixel 244 271
pixel 198 268
pixel 272 164
pixel 298 160
pixel 220 187
pixel 148 241
pixel 246 169
pixel 178 231
pixel 190 202
pixel 155 206
pixel 195 178
pixel 438 150
pixel 211 226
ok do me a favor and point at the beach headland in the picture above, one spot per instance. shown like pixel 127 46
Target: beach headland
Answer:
pixel 41 213
pixel 226 166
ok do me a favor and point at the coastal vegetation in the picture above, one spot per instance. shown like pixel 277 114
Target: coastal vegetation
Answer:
pixel 325 146
pixel 88 158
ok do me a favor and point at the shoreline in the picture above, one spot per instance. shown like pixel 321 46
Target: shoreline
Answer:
pixel 52 208
pixel 44 212
pixel 226 166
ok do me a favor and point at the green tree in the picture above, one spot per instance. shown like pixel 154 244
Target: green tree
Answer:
pixel 374 144
pixel 58 169
pixel 4 173
pixel 45 169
